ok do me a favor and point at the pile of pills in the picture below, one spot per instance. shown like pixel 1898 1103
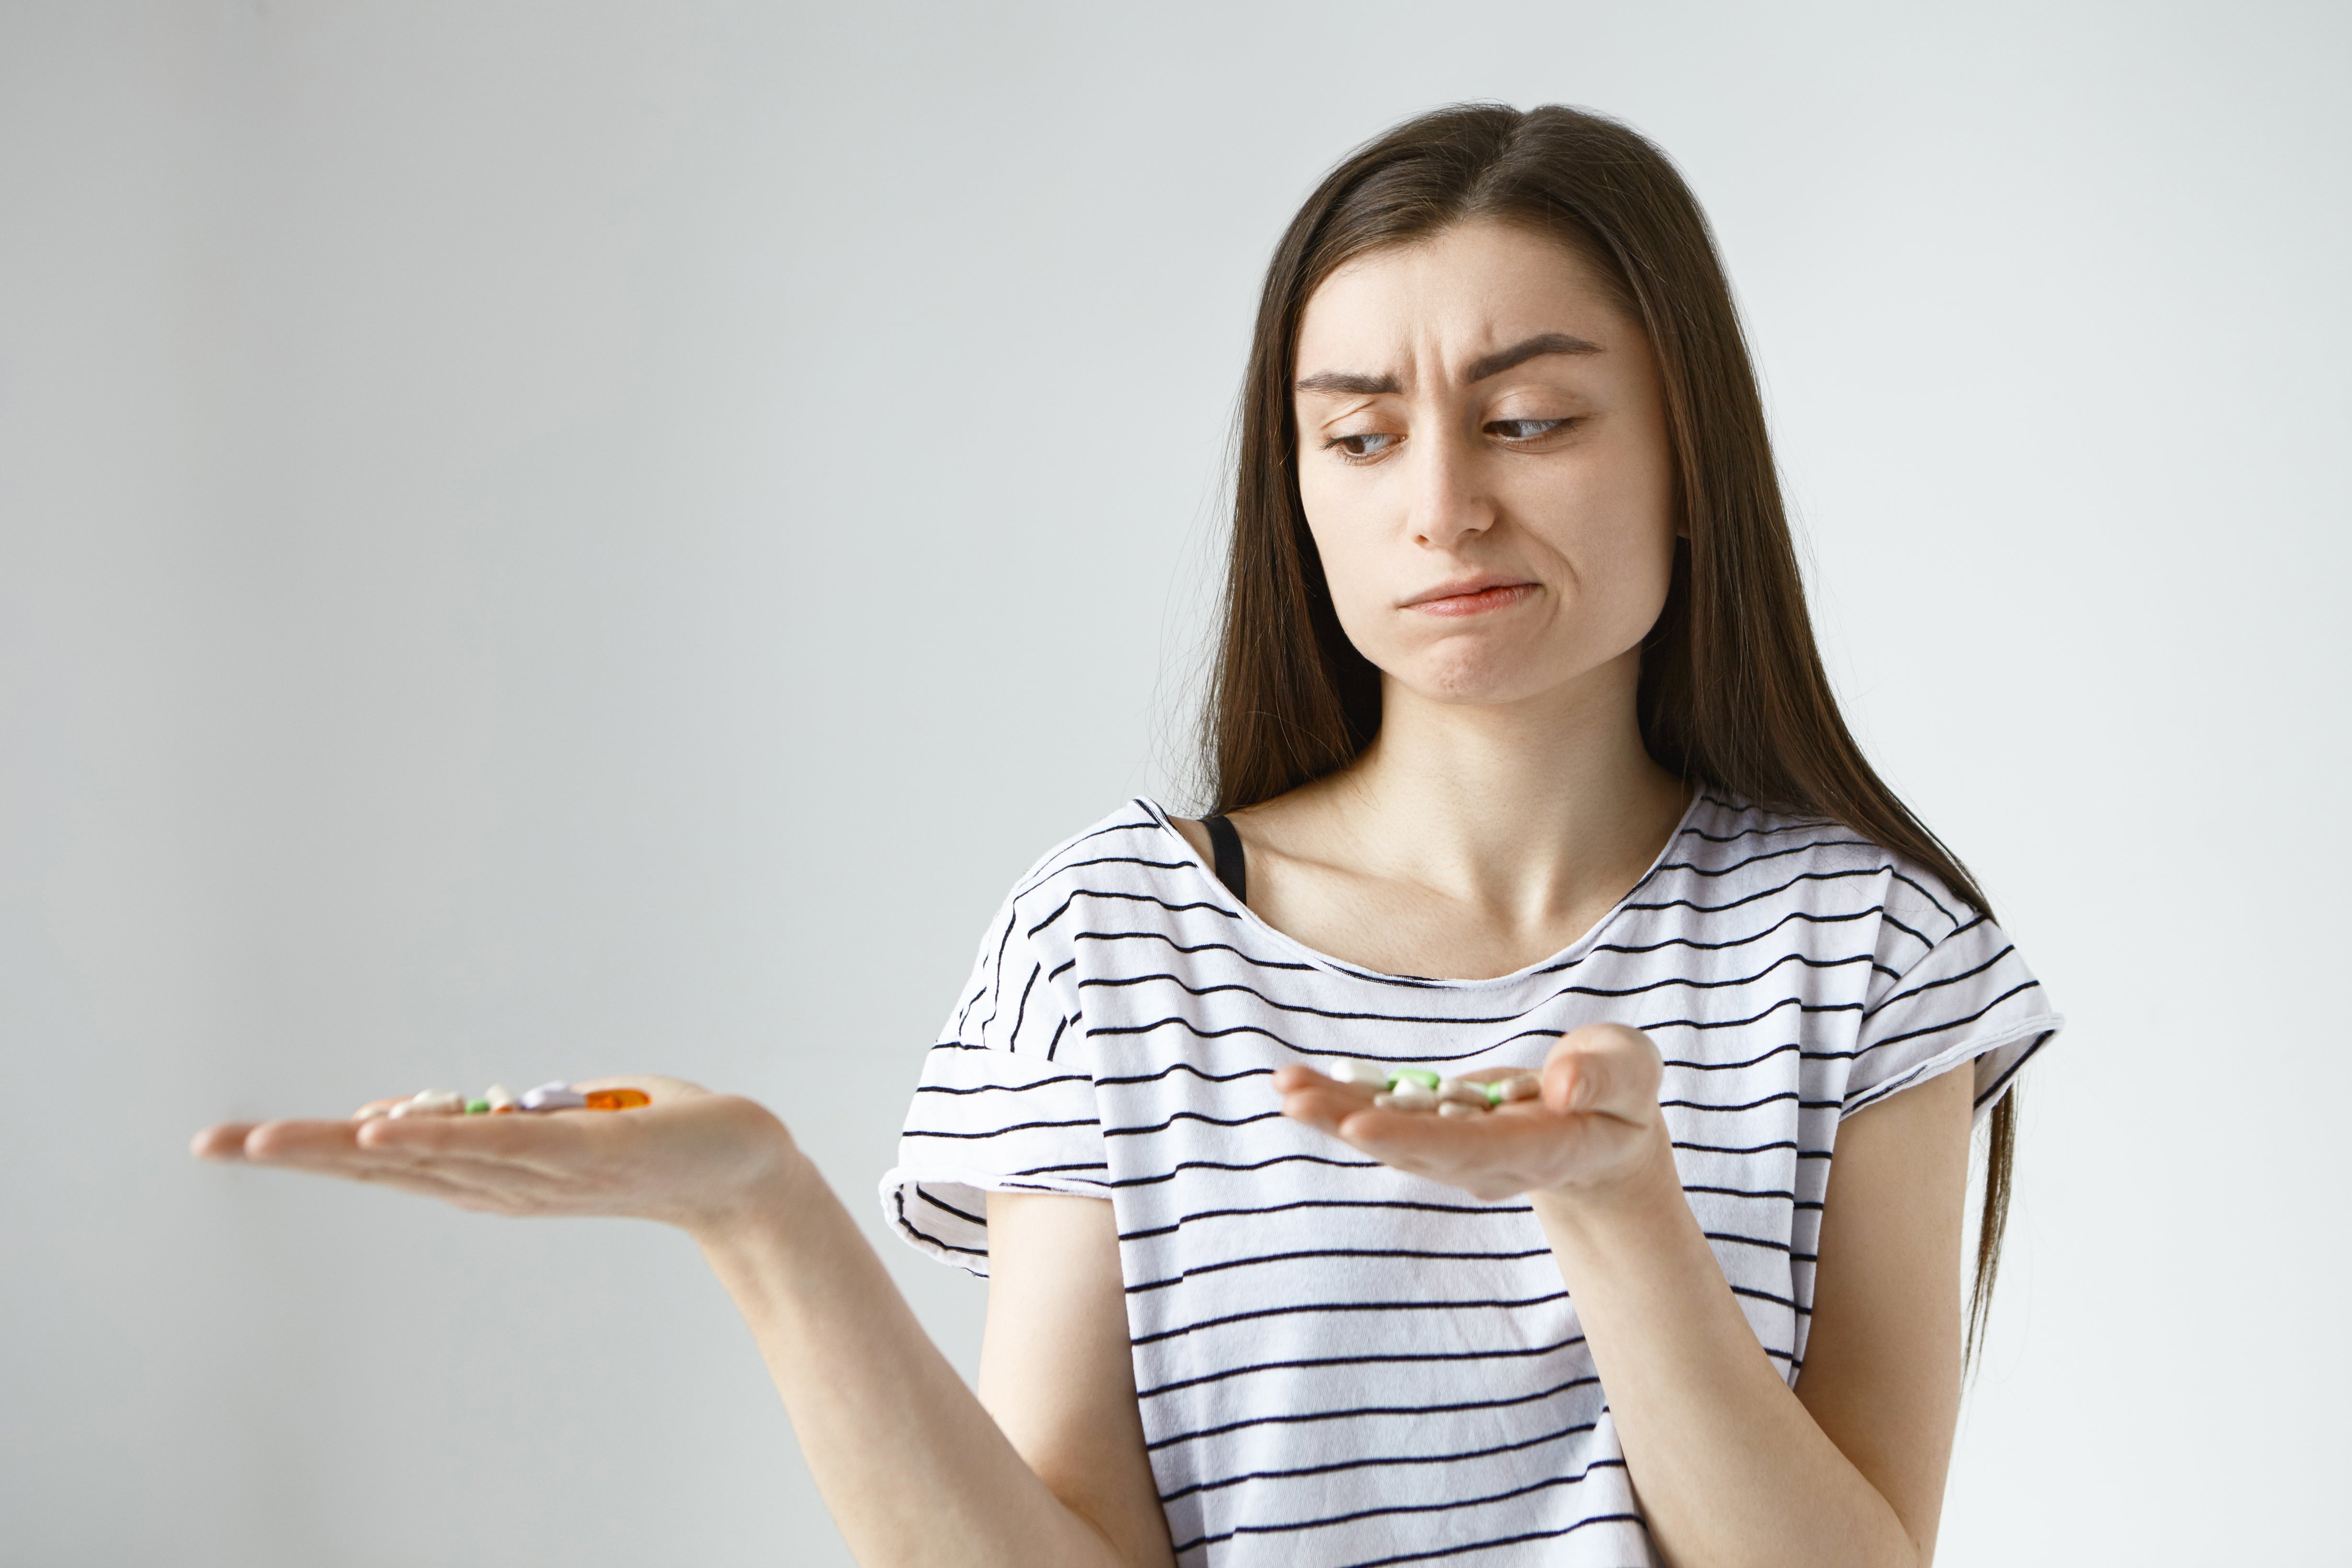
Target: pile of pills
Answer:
pixel 1418 1089
pixel 499 1100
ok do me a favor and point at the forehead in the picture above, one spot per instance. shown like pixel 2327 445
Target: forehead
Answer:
pixel 1468 288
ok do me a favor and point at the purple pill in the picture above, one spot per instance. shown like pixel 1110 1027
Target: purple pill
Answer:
pixel 554 1097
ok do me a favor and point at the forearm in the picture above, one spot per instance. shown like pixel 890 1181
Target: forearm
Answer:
pixel 915 1470
pixel 1730 1467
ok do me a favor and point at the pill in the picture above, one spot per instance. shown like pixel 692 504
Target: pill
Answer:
pixel 1460 1092
pixel 1525 1086
pixel 1362 1074
pixel 1406 1097
pixel 432 1103
pixel 478 1107
pixel 553 1097
pixel 617 1099
pixel 1460 1108
pixel 500 1098
pixel 1421 1075
pixel 1494 1092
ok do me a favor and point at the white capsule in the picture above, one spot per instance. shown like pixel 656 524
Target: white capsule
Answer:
pixel 432 1103
pixel 1462 1091
pixel 1362 1074
pixel 1525 1086
pixel 1460 1108
pixel 1406 1096
pixel 500 1097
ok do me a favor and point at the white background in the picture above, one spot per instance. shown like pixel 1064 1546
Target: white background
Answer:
pixel 537 539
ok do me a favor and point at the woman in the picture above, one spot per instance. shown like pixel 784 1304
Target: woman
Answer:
pixel 1522 758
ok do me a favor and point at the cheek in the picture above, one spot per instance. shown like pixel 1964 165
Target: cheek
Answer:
pixel 1610 532
pixel 1341 521
pixel 1630 557
pixel 1619 535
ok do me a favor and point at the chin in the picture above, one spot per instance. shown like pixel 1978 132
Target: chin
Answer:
pixel 1460 677
pixel 1476 682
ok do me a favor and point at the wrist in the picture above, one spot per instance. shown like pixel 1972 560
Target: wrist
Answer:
pixel 1636 1190
pixel 752 1213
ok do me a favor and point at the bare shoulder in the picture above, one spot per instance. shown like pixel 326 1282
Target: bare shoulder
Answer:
pixel 1195 834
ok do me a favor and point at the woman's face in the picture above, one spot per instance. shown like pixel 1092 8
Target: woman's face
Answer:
pixel 1484 458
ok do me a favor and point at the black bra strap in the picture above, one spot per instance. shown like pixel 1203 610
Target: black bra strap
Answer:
pixel 1232 867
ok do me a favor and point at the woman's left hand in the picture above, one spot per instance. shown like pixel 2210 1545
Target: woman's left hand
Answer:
pixel 1596 1124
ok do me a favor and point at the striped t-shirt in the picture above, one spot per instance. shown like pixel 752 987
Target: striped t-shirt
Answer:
pixel 1339 1363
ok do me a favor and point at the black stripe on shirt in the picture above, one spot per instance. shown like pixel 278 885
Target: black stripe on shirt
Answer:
pixel 1500 1303
pixel 1218 1267
pixel 1368 1412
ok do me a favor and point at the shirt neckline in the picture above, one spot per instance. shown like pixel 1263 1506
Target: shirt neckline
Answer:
pixel 1322 960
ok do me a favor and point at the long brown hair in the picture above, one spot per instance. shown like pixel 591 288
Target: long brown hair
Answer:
pixel 1732 692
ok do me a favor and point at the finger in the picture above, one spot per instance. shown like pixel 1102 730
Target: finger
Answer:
pixel 1603 1068
pixel 357 1152
pixel 221 1140
pixel 1323 1104
pixel 322 1148
pixel 1499 1138
pixel 549 1143
pixel 290 1141
pixel 1511 1150
pixel 337 1148
pixel 1574 1082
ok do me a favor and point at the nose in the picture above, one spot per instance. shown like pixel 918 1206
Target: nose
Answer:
pixel 1450 500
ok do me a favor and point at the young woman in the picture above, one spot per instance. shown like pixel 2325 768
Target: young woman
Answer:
pixel 1521 758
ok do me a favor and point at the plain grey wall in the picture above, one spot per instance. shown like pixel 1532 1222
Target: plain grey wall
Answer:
pixel 545 539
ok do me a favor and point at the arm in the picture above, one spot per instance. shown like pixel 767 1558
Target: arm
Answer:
pixel 1731 1466
pixel 914 1467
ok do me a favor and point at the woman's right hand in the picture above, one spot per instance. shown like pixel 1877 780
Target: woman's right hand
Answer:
pixel 691 1158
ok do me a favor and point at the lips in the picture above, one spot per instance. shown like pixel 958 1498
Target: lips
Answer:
pixel 1479 596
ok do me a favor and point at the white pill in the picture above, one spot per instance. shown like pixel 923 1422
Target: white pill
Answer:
pixel 500 1097
pixel 1461 1092
pixel 1460 1108
pixel 553 1097
pixel 1364 1074
pixel 432 1103
pixel 1525 1086
pixel 1406 1096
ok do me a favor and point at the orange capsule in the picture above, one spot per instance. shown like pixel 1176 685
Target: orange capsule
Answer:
pixel 617 1099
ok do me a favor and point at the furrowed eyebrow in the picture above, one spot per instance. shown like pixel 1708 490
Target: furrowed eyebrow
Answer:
pixel 1534 348
pixel 1356 383
pixel 1349 384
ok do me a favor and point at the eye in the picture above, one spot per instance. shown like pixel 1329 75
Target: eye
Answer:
pixel 1362 445
pixel 1526 429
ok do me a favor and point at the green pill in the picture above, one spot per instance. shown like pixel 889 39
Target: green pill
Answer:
pixel 478 1107
pixel 1421 1075
pixel 1494 1092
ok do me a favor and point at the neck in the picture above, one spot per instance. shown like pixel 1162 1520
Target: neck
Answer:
pixel 1523 808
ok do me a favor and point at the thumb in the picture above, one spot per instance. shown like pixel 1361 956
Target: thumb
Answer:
pixel 1605 1068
